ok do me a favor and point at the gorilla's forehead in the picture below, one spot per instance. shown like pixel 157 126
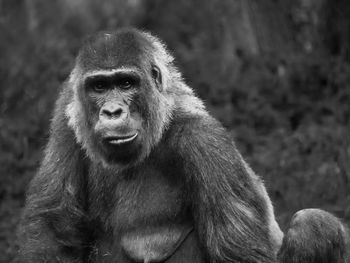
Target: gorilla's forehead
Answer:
pixel 110 50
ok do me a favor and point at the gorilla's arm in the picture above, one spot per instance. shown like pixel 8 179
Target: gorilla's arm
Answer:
pixel 53 215
pixel 315 236
pixel 229 209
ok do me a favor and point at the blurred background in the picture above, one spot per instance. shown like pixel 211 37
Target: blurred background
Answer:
pixel 276 73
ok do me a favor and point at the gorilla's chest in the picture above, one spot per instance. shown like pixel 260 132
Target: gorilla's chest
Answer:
pixel 148 218
pixel 150 197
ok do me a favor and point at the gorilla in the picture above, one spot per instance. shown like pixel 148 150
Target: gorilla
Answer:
pixel 136 170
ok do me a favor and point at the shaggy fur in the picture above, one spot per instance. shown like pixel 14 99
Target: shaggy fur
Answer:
pixel 315 236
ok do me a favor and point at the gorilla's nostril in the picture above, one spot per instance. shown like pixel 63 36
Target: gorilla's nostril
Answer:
pixel 107 113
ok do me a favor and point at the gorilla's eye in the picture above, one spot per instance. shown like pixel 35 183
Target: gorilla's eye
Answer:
pixel 99 86
pixel 126 83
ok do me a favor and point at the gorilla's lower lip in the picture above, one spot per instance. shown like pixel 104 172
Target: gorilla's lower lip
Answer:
pixel 117 140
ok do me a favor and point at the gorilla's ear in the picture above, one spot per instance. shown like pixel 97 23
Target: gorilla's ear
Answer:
pixel 157 76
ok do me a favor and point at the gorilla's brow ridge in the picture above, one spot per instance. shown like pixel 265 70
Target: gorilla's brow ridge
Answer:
pixel 109 72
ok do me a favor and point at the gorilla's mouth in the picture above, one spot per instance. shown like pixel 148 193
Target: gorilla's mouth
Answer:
pixel 118 140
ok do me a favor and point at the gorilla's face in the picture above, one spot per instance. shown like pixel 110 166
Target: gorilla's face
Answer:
pixel 119 111
pixel 115 113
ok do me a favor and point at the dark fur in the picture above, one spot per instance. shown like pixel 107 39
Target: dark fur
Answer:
pixel 315 236
pixel 54 217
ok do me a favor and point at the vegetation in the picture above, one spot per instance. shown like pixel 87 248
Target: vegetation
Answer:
pixel 276 73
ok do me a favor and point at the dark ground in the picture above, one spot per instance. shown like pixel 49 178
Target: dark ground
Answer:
pixel 289 111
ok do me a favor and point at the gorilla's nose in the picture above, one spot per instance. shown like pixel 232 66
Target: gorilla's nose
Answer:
pixel 112 113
